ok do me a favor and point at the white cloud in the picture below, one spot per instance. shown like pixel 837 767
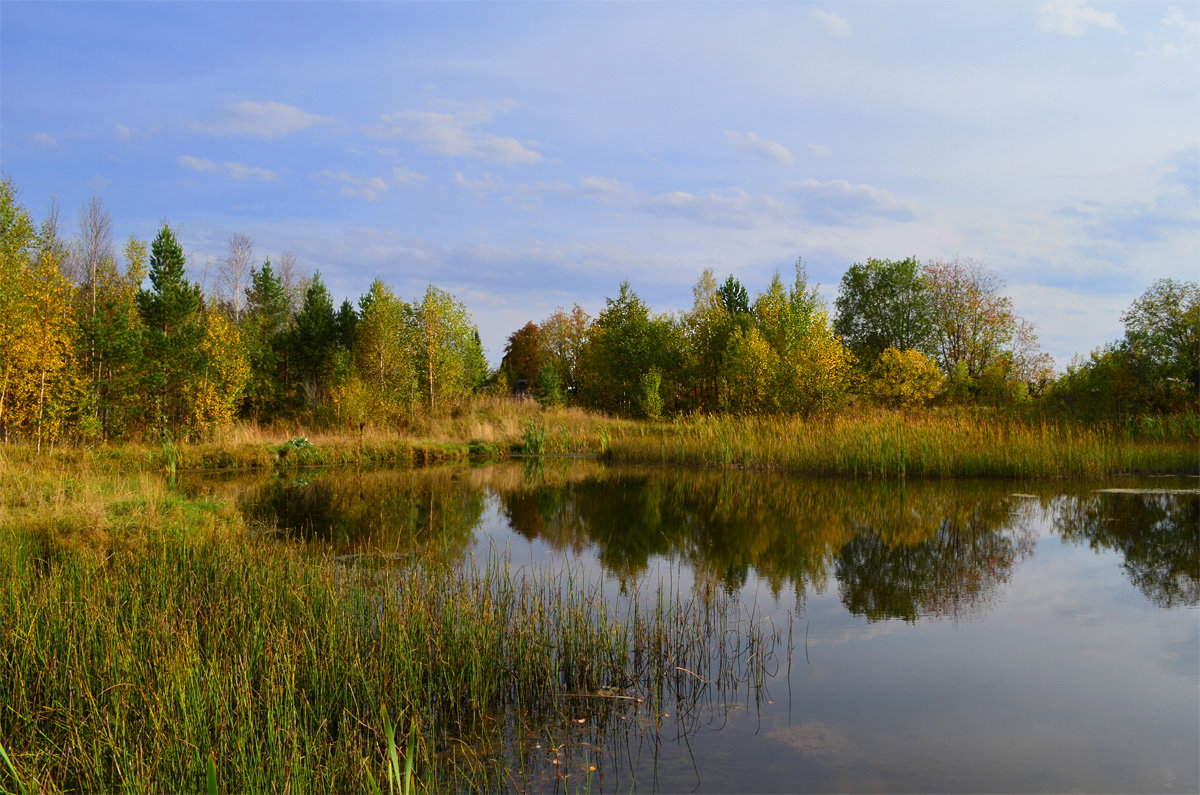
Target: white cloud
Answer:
pixel 603 188
pixel 201 164
pixel 820 150
pixel 1175 18
pixel 834 22
pixel 43 139
pixel 734 209
pixel 228 168
pixel 1073 18
pixel 122 132
pixel 839 201
pixel 406 176
pixel 450 134
pixel 262 119
pixel 486 184
pixel 771 150
pixel 355 187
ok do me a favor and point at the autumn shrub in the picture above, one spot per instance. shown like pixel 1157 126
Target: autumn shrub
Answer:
pixel 905 379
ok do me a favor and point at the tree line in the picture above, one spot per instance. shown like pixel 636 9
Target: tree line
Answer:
pixel 97 346
pixel 904 335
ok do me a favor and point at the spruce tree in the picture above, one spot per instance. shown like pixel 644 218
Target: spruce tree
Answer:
pixel 264 330
pixel 174 331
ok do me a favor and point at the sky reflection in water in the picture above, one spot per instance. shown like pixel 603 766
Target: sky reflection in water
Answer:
pixel 946 636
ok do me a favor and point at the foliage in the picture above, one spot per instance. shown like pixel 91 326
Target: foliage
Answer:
pixel 1162 344
pixel 978 333
pixel 1154 369
pixel 884 304
pixel 262 330
pixel 564 335
pixel 524 354
pixel 905 379
pixel 625 344
pixel 174 330
pixel 384 358
pixel 450 358
pixel 312 342
pixel 549 388
pixel 217 389
pixel 650 395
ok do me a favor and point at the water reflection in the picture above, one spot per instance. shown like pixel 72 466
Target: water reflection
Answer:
pixel 896 550
pixel 1157 534
pixel 432 513
pixel 1084 682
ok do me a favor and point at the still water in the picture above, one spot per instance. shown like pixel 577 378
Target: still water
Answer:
pixel 932 636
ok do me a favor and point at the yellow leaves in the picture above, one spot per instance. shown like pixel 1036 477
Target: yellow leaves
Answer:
pixel 216 391
pixel 904 379
pixel 750 366
pixel 36 349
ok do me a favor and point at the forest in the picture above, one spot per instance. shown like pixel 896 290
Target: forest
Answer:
pixel 98 346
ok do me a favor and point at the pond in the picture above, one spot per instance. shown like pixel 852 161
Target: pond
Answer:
pixel 929 636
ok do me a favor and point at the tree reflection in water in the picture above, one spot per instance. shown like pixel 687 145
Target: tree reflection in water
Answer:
pixel 897 550
pixel 1157 534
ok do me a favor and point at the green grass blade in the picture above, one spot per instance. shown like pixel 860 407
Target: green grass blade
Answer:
pixel 211 769
pixel 408 760
pixel 394 765
pixel 13 770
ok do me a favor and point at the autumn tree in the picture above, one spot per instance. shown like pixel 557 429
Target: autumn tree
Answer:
pixel 383 360
pixel 811 366
pixel 174 331
pixel 905 379
pixel 215 389
pixel 564 335
pixel 449 356
pixel 884 304
pixel 38 381
pixel 981 343
pixel 524 355
pixel 18 247
pixel 234 273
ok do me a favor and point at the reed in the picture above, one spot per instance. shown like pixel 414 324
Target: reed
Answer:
pixel 928 445
pixel 151 643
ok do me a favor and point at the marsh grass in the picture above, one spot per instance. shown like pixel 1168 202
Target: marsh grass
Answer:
pixel 151 643
pixel 482 428
pixel 947 444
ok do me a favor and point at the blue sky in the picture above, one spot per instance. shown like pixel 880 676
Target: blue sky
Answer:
pixel 525 156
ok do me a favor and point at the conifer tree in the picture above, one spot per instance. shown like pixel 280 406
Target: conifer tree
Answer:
pixel 263 333
pixel 174 330
pixel 313 342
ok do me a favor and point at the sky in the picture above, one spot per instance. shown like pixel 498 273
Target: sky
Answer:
pixel 526 156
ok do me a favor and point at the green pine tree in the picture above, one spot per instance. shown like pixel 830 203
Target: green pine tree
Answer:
pixel 174 330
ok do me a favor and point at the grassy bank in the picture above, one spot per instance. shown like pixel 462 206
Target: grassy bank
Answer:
pixel 486 428
pixel 936 443
pixel 925 445
pixel 147 635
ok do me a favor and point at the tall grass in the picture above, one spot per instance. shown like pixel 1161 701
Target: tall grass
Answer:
pixel 927 445
pixel 936 443
pixel 150 643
